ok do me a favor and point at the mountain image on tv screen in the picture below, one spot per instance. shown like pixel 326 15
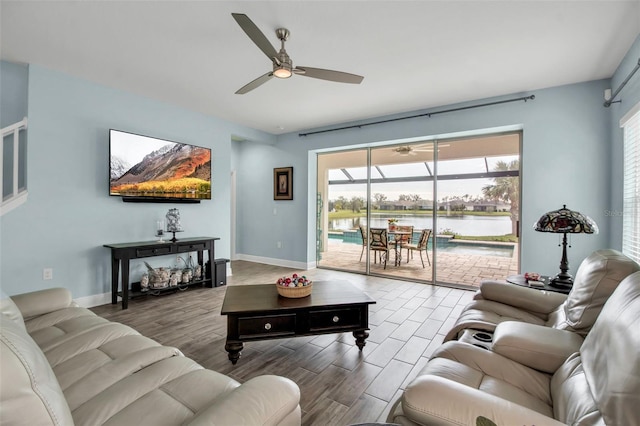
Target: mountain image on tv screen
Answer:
pixel 141 166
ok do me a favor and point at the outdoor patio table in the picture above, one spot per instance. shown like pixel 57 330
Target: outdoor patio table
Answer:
pixel 396 237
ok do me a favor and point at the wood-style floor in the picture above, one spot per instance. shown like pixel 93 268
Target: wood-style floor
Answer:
pixel 339 385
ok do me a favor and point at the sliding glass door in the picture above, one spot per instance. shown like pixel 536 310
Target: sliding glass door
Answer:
pixel 442 211
pixel 478 206
pixel 402 203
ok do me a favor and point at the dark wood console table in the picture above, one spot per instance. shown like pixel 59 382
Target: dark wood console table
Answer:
pixel 124 252
pixel 258 312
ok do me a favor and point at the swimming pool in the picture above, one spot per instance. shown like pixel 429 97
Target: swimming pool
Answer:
pixel 444 244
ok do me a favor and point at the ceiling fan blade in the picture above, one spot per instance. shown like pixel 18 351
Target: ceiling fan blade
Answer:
pixel 255 83
pixel 428 147
pixel 256 35
pixel 322 74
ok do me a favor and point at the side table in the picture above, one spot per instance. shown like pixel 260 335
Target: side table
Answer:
pixel 522 281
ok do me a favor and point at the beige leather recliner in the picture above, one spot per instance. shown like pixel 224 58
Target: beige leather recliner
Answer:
pixel 597 277
pixel 598 384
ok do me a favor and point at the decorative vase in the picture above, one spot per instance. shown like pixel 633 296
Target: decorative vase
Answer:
pixel 173 220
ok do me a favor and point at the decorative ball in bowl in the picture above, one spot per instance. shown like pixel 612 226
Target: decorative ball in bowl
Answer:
pixel 294 287
pixel 534 276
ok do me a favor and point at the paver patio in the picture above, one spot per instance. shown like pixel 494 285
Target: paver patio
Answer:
pixel 456 269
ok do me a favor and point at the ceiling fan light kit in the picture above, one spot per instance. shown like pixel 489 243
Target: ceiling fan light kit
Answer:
pixel 282 72
pixel 282 63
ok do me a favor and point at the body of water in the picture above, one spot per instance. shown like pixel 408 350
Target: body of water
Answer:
pixel 462 225
pixel 443 244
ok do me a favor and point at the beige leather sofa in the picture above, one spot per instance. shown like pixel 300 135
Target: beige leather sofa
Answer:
pixel 597 277
pixel 63 365
pixel 598 384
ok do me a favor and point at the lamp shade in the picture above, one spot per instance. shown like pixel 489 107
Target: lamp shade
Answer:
pixel 565 221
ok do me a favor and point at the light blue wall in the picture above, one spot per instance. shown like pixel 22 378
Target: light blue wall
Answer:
pixel 262 221
pixel 14 80
pixel 565 160
pixel 69 215
pixel 630 96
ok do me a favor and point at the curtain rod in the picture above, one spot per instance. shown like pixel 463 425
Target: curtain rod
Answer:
pixel 426 114
pixel 608 103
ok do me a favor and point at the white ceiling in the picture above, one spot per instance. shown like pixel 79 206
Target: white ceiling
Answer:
pixel 413 54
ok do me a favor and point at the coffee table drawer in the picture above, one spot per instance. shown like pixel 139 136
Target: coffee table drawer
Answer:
pixel 334 319
pixel 271 325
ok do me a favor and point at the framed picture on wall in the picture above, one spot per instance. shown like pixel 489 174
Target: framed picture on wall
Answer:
pixel 283 183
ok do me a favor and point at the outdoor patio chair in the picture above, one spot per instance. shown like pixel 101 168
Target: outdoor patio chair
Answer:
pixel 379 244
pixel 363 234
pixel 420 247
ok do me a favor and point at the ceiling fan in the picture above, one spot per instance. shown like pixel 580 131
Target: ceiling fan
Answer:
pixel 282 64
pixel 412 150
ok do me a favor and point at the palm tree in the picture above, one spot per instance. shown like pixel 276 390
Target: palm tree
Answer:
pixel 506 189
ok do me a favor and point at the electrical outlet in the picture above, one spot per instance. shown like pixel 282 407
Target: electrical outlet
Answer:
pixel 279 244
pixel 47 274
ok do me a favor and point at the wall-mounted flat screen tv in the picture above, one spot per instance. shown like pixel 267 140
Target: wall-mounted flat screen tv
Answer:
pixel 144 168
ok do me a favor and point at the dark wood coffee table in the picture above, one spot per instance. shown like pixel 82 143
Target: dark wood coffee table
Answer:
pixel 258 312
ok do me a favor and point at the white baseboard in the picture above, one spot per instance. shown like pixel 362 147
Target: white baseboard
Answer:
pixel 93 300
pixel 276 262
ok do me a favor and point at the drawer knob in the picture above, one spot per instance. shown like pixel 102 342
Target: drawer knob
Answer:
pixel 267 326
pixel 335 318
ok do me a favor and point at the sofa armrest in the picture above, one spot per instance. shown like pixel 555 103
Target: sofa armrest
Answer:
pixel 543 302
pixel 43 301
pixel 539 347
pixel 263 400
pixel 431 399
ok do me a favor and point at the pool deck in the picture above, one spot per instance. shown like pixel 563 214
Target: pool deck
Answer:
pixel 457 269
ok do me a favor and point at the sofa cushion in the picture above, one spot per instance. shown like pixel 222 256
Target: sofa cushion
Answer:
pixel 87 341
pixel 29 391
pixel 41 302
pixel 10 311
pixel 53 328
pixel 487 314
pixel 492 373
pixel 613 374
pixel 597 277
pixel 542 348
pixel 170 391
pixel 91 372
pixel 573 401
